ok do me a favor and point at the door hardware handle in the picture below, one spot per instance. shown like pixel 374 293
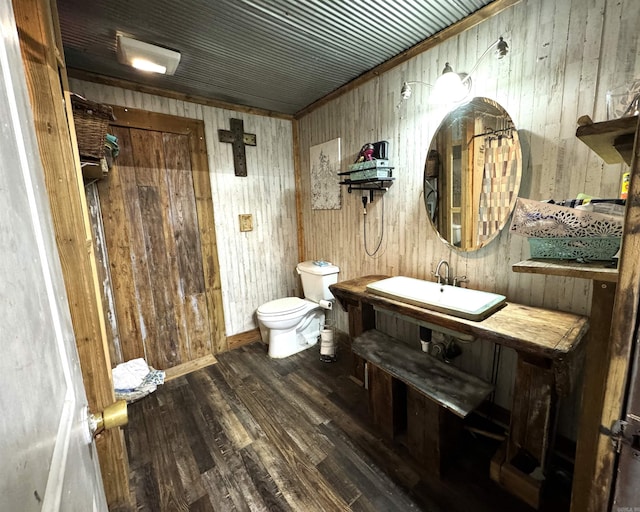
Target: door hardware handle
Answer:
pixel 115 415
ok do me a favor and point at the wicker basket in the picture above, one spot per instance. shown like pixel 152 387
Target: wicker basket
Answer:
pixel 91 120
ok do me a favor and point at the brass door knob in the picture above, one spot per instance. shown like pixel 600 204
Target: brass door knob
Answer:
pixel 113 416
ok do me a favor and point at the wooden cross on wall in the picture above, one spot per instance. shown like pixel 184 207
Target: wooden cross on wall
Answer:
pixel 239 140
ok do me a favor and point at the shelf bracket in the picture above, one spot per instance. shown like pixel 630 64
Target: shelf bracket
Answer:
pixel 373 185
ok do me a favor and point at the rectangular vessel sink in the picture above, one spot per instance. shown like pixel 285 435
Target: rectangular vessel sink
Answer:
pixel 452 300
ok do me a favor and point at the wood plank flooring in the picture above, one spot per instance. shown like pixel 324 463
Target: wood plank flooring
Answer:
pixel 252 434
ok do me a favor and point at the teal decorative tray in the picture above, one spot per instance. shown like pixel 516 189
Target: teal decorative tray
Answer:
pixel 583 248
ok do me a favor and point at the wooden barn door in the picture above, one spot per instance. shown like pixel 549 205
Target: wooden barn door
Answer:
pixel 161 258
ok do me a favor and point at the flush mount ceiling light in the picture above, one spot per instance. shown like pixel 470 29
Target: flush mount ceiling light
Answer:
pixel 147 57
pixel 452 87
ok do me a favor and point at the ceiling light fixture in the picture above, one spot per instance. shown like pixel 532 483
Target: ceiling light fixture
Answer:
pixel 147 57
pixel 452 87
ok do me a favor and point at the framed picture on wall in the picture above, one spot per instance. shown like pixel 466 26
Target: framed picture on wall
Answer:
pixel 324 160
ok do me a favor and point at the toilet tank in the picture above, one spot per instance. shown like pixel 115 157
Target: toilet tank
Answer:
pixel 316 278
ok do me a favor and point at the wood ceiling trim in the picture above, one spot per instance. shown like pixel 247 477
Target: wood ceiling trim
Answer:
pixel 157 91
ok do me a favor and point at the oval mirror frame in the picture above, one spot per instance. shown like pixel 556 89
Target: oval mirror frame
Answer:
pixel 472 174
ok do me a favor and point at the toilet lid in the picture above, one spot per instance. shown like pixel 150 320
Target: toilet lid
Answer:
pixel 281 306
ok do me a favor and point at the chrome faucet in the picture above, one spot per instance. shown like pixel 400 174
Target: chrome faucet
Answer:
pixel 459 279
pixel 446 274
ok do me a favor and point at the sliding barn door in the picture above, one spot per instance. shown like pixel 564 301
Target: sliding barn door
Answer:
pixel 161 260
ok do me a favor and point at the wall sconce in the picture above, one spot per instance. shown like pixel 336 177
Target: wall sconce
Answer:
pixel 147 57
pixel 452 87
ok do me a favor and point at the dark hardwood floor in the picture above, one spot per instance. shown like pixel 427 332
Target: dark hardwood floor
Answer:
pixel 251 433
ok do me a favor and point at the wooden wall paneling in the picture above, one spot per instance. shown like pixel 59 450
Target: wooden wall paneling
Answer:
pixel 576 48
pixel 589 88
pixel 297 171
pixel 104 274
pixel 36 21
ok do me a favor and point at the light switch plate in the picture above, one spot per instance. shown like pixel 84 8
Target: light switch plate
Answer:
pixel 246 222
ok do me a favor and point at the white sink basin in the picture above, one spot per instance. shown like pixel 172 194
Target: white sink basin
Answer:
pixel 452 300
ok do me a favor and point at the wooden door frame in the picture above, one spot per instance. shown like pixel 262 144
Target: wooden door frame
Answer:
pixel 45 71
pixel 194 129
pixel 625 330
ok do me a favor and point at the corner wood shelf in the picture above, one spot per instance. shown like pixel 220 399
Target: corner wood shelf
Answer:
pixel 611 140
pixel 596 271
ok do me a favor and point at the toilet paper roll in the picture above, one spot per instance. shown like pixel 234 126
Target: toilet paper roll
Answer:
pixel 326 336
pixel 327 346
pixel 326 304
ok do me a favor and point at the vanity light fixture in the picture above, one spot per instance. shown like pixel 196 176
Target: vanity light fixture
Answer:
pixel 147 57
pixel 406 90
pixel 452 87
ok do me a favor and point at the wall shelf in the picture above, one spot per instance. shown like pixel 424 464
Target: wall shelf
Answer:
pixel 373 184
pixel 94 168
pixel 612 140
pixel 596 271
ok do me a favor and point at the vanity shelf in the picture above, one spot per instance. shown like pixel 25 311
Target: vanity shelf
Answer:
pixel 596 271
pixel 612 140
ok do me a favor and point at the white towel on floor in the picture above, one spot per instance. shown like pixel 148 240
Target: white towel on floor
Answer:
pixel 130 375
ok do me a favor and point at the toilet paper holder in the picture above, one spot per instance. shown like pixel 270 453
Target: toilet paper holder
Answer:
pixel 326 304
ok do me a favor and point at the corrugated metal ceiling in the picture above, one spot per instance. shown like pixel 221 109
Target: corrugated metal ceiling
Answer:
pixel 276 55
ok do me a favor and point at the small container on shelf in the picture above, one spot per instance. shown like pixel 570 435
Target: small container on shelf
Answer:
pixel 624 186
pixel 368 174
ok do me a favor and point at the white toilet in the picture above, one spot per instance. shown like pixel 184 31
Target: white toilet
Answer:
pixel 292 324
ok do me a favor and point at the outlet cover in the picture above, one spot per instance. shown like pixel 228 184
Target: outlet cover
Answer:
pixel 246 222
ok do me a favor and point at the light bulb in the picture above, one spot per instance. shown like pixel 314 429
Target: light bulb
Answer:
pixel 449 88
pixel 147 65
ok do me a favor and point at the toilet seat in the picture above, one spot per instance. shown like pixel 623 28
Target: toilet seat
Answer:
pixel 285 306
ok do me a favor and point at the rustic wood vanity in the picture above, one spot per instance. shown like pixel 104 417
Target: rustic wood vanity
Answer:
pixel 548 344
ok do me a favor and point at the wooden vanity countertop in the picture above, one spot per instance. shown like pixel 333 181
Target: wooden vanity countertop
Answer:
pixel 537 331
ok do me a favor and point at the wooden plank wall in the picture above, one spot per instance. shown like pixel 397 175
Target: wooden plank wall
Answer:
pixel 564 55
pixel 255 266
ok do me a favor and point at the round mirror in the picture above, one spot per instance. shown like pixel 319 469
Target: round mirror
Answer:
pixel 472 174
